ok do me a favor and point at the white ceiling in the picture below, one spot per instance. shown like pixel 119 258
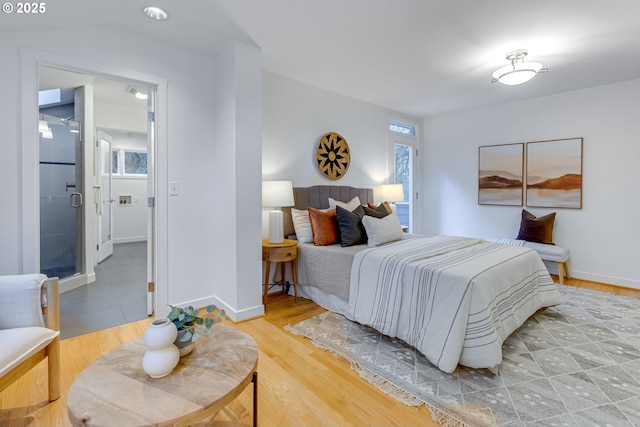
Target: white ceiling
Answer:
pixel 420 57
pixel 105 91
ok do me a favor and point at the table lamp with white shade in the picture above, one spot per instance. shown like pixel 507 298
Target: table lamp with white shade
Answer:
pixel 391 193
pixel 276 194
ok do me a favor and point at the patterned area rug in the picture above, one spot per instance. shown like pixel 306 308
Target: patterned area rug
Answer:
pixel 576 365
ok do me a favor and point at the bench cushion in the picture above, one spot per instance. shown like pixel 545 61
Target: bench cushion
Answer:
pixel 549 252
pixel 18 344
pixel 553 253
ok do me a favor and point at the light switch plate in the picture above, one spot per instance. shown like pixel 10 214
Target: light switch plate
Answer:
pixel 174 188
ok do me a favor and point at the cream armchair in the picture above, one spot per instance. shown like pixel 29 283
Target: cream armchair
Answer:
pixel 25 338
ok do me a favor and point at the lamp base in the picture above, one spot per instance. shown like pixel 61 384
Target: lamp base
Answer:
pixel 276 233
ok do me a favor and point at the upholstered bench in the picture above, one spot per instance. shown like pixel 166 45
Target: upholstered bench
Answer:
pixel 551 253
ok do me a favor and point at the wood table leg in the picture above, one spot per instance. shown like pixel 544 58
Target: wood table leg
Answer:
pixel 294 273
pixel 283 270
pixel 266 283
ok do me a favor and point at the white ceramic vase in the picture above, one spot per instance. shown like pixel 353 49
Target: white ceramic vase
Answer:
pixel 161 355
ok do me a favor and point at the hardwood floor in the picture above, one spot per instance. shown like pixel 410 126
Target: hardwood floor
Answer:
pixel 299 384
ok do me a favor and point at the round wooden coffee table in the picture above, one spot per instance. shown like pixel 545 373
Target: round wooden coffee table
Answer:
pixel 115 391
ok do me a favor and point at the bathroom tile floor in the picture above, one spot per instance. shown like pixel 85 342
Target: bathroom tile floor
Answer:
pixel 118 296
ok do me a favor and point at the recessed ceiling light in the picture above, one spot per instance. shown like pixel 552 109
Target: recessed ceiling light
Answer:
pixel 156 13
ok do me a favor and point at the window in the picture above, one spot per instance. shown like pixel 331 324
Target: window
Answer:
pixel 403 144
pixel 403 157
pixel 402 128
pixel 135 162
pixel 403 166
pixel 114 162
pixel 129 162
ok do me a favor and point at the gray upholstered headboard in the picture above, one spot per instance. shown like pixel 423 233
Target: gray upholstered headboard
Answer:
pixel 318 197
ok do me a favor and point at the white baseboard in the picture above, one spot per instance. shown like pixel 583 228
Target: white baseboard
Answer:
pixel 593 277
pixel 239 316
pixel 601 278
pixel 235 315
pixel 130 239
pixel 74 282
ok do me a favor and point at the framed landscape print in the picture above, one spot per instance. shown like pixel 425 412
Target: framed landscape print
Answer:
pixel 500 174
pixel 554 173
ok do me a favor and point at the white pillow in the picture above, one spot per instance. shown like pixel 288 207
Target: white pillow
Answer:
pixel 353 203
pixel 382 230
pixel 302 225
pixel 22 298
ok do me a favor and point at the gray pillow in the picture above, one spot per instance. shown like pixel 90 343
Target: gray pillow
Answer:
pixel 379 212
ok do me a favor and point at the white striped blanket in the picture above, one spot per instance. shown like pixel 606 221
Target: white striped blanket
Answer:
pixel 455 299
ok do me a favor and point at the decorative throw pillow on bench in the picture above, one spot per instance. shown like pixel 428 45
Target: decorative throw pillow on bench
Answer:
pixel 536 229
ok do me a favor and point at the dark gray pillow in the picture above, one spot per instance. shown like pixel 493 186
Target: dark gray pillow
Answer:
pixel 379 212
pixel 536 229
pixel 350 226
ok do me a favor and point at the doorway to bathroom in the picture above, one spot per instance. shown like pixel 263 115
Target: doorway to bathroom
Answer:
pixel 111 120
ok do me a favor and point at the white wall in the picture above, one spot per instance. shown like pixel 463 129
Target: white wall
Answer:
pixel 129 220
pixel 296 115
pixel 604 234
pixel 109 116
pixel 185 151
pixel 234 182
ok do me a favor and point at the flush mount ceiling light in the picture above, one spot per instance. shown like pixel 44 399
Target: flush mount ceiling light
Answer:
pixel 156 13
pixel 137 93
pixel 519 71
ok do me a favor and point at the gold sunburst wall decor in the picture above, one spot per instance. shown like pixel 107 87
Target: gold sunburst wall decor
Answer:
pixel 333 155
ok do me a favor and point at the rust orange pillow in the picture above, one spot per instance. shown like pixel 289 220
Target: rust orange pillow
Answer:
pixel 323 226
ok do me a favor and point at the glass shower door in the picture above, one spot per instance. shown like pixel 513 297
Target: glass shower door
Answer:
pixel 61 198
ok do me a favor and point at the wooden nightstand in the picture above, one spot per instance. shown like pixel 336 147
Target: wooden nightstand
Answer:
pixel 280 253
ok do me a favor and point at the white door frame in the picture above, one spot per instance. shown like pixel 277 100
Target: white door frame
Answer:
pixel 409 141
pixel 29 257
pixel 152 232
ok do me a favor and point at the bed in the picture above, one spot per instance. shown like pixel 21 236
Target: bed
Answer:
pixel 455 299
